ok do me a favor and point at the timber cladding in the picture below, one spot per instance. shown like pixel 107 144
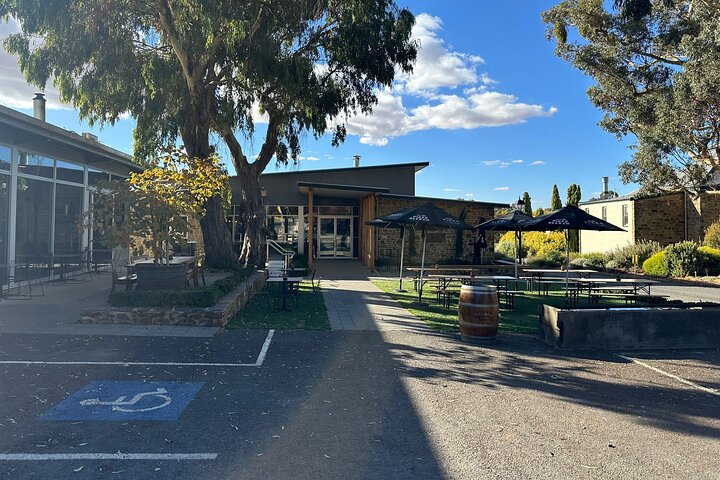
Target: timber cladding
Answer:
pixel 440 243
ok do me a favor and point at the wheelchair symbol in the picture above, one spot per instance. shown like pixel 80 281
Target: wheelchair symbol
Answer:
pixel 123 405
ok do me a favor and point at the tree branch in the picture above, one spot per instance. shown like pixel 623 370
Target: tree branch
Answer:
pixel 167 22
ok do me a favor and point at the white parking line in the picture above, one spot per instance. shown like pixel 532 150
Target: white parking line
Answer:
pixel 258 362
pixel 711 391
pixel 14 457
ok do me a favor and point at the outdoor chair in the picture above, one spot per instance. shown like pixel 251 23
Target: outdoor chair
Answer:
pixel 128 279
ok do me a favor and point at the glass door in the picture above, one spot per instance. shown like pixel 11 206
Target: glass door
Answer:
pixel 335 237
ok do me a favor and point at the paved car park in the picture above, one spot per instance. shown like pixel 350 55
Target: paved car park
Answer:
pixel 392 404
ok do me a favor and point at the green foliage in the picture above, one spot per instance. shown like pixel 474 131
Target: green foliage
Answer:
pixel 710 260
pixel 623 256
pixel 555 202
pixel 545 245
pixel 683 259
pixel 527 207
pixel 206 296
pixel 657 265
pixel 309 314
pixel 712 235
pixel 594 261
pixel 656 66
pixel 574 194
pixel 539 211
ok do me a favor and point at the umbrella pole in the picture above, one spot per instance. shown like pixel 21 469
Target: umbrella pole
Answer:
pixel 422 267
pixel 567 264
pixel 402 254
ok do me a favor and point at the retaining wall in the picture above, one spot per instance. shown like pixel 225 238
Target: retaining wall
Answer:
pixel 631 328
pixel 217 316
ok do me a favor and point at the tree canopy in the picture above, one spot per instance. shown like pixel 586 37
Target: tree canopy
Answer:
pixel 656 65
pixel 555 202
pixel 527 204
pixel 186 69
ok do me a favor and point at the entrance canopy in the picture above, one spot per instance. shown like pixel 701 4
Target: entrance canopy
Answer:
pixel 339 191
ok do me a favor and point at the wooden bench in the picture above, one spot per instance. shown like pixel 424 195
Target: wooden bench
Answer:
pixel 629 297
pixel 510 297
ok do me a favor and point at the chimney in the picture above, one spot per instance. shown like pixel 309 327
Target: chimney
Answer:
pixel 39 106
pixel 356 160
pixel 89 136
pixel 604 187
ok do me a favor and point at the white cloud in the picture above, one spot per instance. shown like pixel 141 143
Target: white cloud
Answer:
pixel 501 189
pixel 517 161
pixel 451 190
pixel 309 158
pixel 490 163
pixel 15 91
pixel 537 162
pixel 469 195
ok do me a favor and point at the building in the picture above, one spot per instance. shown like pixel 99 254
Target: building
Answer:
pixel 338 202
pixel 665 218
pixel 47 176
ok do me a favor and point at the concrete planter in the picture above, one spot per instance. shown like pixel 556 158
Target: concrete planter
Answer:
pixel 216 316
pixel 159 277
pixel 631 328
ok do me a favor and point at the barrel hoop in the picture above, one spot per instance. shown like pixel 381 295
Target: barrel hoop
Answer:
pixel 480 325
pixel 481 305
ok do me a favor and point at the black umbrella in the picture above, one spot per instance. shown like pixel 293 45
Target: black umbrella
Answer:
pixel 381 224
pixel 511 222
pixel 424 216
pixel 569 218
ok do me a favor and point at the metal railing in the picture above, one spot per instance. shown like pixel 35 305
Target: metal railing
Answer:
pixel 287 254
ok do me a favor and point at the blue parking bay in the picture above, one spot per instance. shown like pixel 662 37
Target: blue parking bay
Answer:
pixel 118 401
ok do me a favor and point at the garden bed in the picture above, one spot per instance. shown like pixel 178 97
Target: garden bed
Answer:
pixel 676 326
pixel 211 306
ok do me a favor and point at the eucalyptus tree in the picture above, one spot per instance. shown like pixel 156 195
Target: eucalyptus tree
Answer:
pixel 277 70
pixel 656 64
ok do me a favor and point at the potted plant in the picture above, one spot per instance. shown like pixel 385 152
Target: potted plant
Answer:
pixel 150 212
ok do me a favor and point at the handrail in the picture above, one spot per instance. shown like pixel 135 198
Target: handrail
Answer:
pixel 287 254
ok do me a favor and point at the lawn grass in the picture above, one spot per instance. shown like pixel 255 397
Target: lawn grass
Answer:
pixel 523 319
pixel 260 312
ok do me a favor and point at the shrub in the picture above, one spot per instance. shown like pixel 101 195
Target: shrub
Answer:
pixel 542 262
pixel 534 244
pixel 623 256
pixel 683 259
pixel 206 296
pixel 594 261
pixel 710 260
pixel 656 265
pixel 712 235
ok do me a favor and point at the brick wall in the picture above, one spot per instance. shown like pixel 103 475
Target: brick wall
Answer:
pixel 710 209
pixel 660 219
pixel 440 243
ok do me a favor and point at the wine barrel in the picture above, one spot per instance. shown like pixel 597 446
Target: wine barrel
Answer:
pixel 478 313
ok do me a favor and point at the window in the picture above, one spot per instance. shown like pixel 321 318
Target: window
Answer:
pixel 96 176
pixel 34 217
pixel 4 200
pixel 69 172
pixel 31 164
pixel 604 213
pixel 625 216
pixel 5 156
pixel 68 207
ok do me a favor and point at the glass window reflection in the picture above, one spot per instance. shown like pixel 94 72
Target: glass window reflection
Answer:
pixel 34 214
pixel 5 156
pixel 32 164
pixel 69 172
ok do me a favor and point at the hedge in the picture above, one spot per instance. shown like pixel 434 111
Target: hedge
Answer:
pixel 206 296
pixel 657 265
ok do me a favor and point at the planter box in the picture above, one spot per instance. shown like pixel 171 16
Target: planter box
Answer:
pixel 631 328
pixel 160 277
pixel 217 316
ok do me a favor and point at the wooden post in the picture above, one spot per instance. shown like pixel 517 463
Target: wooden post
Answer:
pixel 311 222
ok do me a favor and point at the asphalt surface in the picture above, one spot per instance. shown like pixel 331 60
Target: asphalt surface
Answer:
pixel 366 405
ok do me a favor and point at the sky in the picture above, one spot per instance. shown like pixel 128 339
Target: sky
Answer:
pixel 488 104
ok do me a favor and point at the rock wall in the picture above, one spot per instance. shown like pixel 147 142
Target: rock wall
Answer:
pixel 660 219
pixel 440 243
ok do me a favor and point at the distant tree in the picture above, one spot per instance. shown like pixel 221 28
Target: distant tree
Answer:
pixel 539 211
pixel 656 64
pixel 527 207
pixel 573 198
pixel 555 202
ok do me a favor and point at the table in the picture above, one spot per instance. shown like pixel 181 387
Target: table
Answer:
pixel 187 260
pixel 497 280
pixel 635 284
pixel 541 272
pixel 286 282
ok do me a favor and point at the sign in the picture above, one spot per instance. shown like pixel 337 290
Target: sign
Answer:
pixel 118 401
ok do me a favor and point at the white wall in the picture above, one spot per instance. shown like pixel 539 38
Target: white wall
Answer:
pixel 592 241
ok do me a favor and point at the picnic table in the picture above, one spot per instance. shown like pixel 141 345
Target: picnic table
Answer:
pixel 555 275
pixel 498 281
pixel 469 270
pixel 289 286
pixel 634 287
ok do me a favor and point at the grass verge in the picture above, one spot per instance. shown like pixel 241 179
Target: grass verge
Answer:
pixel 260 312
pixel 523 319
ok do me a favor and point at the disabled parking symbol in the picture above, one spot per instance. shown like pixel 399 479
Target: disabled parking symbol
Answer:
pixel 122 400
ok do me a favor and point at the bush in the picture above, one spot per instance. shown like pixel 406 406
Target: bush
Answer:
pixel 549 245
pixel 622 257
pixel 683 259
pixel 656 265
pixel 206 296
pixel 542 262
pixel 712 235
pixel 710 260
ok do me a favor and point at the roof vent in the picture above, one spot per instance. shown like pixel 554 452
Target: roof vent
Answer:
pixel 39 106
pixel 90 136
pixel 356 160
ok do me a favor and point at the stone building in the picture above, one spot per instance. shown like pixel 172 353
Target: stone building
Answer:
pixel 337 202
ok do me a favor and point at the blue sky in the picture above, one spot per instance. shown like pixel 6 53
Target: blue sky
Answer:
pixel 489 106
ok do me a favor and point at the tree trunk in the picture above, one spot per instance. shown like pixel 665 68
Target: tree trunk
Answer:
pixel 253 212
pixel 217 238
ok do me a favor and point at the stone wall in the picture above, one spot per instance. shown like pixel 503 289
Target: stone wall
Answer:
pixel 710 211
pixel 440 243
pixel 217 316
pixel 660 218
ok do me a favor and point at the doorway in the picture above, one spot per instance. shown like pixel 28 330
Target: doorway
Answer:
pixel 335 237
